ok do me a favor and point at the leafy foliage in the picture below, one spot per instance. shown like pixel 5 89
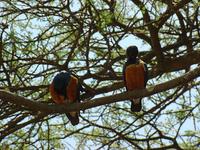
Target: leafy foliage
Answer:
pixel 40 38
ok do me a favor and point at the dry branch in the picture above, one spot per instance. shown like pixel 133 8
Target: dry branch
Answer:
pixel 52 108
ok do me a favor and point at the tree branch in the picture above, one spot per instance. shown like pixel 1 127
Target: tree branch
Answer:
pixel 52 108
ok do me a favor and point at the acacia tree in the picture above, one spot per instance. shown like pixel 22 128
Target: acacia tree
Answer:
pixel 41 38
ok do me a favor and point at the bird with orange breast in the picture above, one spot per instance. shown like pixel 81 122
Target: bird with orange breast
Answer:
pixel 65 89
pixel 135 75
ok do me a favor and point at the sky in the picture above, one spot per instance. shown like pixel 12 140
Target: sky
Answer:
pixel 131 40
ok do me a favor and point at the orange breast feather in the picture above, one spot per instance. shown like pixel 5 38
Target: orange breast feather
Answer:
pixel 134 75
pixel 56 98
pixel 72 89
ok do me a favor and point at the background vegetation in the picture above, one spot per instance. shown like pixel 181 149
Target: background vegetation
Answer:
pixel 43 37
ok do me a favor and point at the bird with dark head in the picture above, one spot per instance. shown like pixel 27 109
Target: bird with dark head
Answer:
pixel 64 89
pixel 135 75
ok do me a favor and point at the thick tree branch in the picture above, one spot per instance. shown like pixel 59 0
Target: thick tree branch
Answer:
pixel 37 106
pixel 4 26
pixel 1 51
pixel 170 11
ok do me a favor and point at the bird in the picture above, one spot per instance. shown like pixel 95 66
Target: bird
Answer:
pixel 65 89
pixel 135 75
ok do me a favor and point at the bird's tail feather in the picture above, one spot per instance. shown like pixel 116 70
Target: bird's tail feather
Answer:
pixel 136 105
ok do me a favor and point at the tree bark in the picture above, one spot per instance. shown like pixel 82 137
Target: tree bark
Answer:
pixel 54 108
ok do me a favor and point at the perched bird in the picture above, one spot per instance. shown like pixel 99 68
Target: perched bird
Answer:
pixel 65 89
pixel 135 75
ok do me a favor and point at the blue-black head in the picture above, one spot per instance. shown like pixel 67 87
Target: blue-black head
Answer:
pixel 60 83
pixel 132 52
